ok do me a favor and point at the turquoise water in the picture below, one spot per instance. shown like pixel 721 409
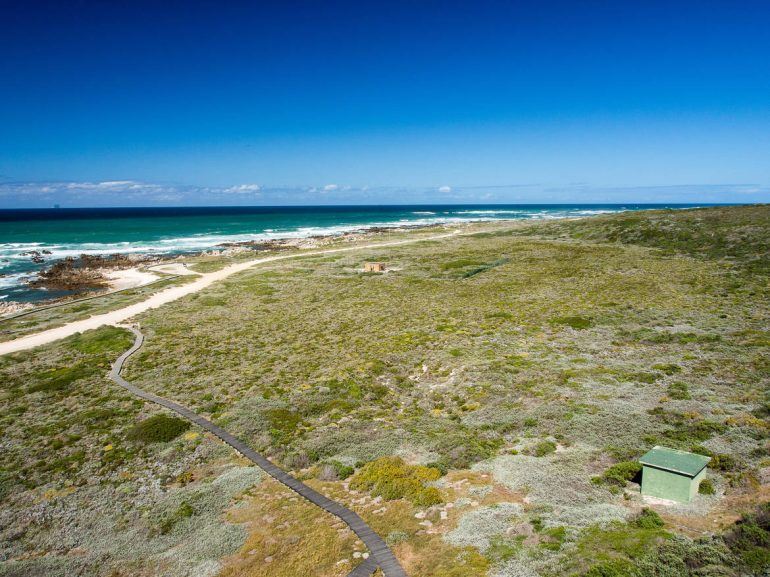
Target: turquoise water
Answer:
pixel 71 232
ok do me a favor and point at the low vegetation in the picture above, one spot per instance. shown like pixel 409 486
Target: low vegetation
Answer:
pixel 744 549
pixel 619 474
pixel 732 234
pixel 391 478
pixel 100 482
pixel 158 429
pixel 482 405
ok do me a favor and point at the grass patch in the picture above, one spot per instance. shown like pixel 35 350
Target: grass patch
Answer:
pixel 544 448
pixel 158 429
pixel 574 322
pixel 485 267
pixel 679 391
pixel 612 550
pixel 61 378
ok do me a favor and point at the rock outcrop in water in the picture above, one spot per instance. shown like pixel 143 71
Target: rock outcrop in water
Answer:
pixel 80 274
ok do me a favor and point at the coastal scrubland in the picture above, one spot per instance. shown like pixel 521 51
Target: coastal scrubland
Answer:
pixel 481 405
pixel 88 488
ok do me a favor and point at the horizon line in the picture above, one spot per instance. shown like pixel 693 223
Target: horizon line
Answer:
pixel 381 205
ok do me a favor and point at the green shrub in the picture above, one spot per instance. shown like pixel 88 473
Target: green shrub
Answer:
pixel 664 337
pixel 212 301
pixel 679 391
pixel 667 368
pixel 645 377
pixel 576 322
pixel 619 474
pixel 723 462
pixel 440 465
pixel 623 453
pixel 460 263
pixel 648 519
pixel 340 471
pixel 719 461
pixel 686 432
pixel 461 449
pixel 553 538
pixel 116 457
pixel 544 448
pixel 168 521
pixel 742 550
pixel 749 540
pixel 501 549
pixel 706 487
pixel 391 478
pixel 283 424
pixel 619 568
pixel 499 315
pixel 485 267
pixel 62 377
pixel 158 429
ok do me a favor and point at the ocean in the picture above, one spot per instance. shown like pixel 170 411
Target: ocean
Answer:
pixel 64 232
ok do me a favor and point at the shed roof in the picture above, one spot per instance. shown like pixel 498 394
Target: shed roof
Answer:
pixel 682 462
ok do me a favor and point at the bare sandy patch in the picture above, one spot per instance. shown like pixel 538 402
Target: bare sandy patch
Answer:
pixel 129 278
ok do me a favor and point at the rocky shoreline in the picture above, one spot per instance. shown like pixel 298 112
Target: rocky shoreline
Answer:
pixel 85 273
pixel 90 274
pixel 13 307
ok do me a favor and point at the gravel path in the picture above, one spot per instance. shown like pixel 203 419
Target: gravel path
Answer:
pixel 380 554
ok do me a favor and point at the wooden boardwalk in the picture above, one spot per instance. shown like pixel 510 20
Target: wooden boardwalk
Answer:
pixel 380 554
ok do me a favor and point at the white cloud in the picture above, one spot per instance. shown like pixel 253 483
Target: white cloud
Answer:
pixel 243 189
pixel 105 185
pixel 118 184
pixel 137 193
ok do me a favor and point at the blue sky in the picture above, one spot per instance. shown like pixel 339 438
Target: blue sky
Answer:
pixel 107 103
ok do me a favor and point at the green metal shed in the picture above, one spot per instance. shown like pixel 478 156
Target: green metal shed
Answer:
pixel 671 474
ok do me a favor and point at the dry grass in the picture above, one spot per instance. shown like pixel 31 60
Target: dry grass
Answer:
pixel 288 536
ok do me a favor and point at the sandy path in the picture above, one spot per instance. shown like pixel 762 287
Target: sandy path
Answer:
pixel 172 294
pixel 179 268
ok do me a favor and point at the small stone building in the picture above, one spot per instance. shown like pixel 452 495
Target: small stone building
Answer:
pixel 671 474
pixel 374 267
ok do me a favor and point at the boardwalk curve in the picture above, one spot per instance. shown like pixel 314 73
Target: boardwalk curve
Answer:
pixel 380 554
